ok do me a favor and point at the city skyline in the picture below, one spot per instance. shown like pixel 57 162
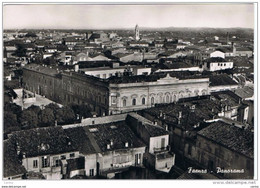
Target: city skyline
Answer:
pixel 71 16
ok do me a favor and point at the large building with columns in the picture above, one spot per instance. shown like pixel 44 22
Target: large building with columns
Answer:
pixel 116 94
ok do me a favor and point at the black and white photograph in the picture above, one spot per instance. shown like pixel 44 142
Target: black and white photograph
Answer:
pixel 129 91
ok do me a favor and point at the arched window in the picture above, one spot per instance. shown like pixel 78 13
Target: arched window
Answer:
pixel 161 99
pixel 152 101
pixel 143 100
pixel 134 102
pixel 124 102
pixel 167 99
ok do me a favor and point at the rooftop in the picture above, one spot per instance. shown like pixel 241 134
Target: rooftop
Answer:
pixel 42 69
pixel 227 98
pixel 215 60
pixel 43 141
pixel 81 140
pixel 221 80
pixel 170 113
pixel 182 75
pixel 117 132
pixel 230 136
pixel 245 92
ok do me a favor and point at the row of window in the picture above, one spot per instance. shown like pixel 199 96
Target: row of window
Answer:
pixel 46 161
pixel 143 102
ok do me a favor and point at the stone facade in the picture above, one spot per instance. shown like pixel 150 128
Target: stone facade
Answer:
pixel 127 97
pixel 106 97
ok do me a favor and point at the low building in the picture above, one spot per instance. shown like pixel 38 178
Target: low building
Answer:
pixel 231 106
pixel 217 53
pixel 226 150
pixel 222 82
pixel 243 51
pixel 108 147
pixel 44 150
pixel 158 154
pixel 216 64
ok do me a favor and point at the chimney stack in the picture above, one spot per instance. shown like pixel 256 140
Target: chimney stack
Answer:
pixel 76 68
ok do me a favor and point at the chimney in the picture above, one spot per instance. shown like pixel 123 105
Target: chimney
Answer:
pixel 155 122
pixel 161 114
pixel 166 127
pixel 126 144
pixel 24 155
pixel 108 146
pixel 56 123
pixel 164 116
pixel 111 142
pixel 18 149
pixel 76 68
pixel 180 114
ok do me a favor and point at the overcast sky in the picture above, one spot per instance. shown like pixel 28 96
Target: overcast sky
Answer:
pixel 127 16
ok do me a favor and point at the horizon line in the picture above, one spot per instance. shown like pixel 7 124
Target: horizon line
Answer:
pixel 130 28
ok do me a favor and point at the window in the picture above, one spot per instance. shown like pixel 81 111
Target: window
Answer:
pixel 143 100
pixel 134 102
pixel 104 76
pixel 110 74
pixel 45 161
pixel 167 99
pixel 152 100
pixel 113 99
pixel 56 161
pixel 124 102
pixel 91 172
pixel 72 155
pixel 35 163
pixel 63 157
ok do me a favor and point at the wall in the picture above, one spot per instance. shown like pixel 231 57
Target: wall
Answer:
pixel 220 66
pixel 222 88
pixel 108 160
pixel 224 158
pixel 165 90
pixel 91 163
pixel 218 54
pixel 50 172
pixel 164 163
pixel 155 142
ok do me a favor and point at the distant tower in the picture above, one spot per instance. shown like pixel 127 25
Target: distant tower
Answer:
pixel 227 37
pixel 137 37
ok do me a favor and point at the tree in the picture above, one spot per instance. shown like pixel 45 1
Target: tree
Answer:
pixel 83 110
pixel 20 51
pixel 35 109
pixel 14 108
pixel 10 122
pixel 29 119
pixel 46 118
pixel 65 115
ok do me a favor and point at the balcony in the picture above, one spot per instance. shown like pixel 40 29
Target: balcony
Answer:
pixel 161 150
pixel 52 169
pixel 122 165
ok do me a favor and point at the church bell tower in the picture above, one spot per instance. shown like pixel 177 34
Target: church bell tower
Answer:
pixel 137 37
